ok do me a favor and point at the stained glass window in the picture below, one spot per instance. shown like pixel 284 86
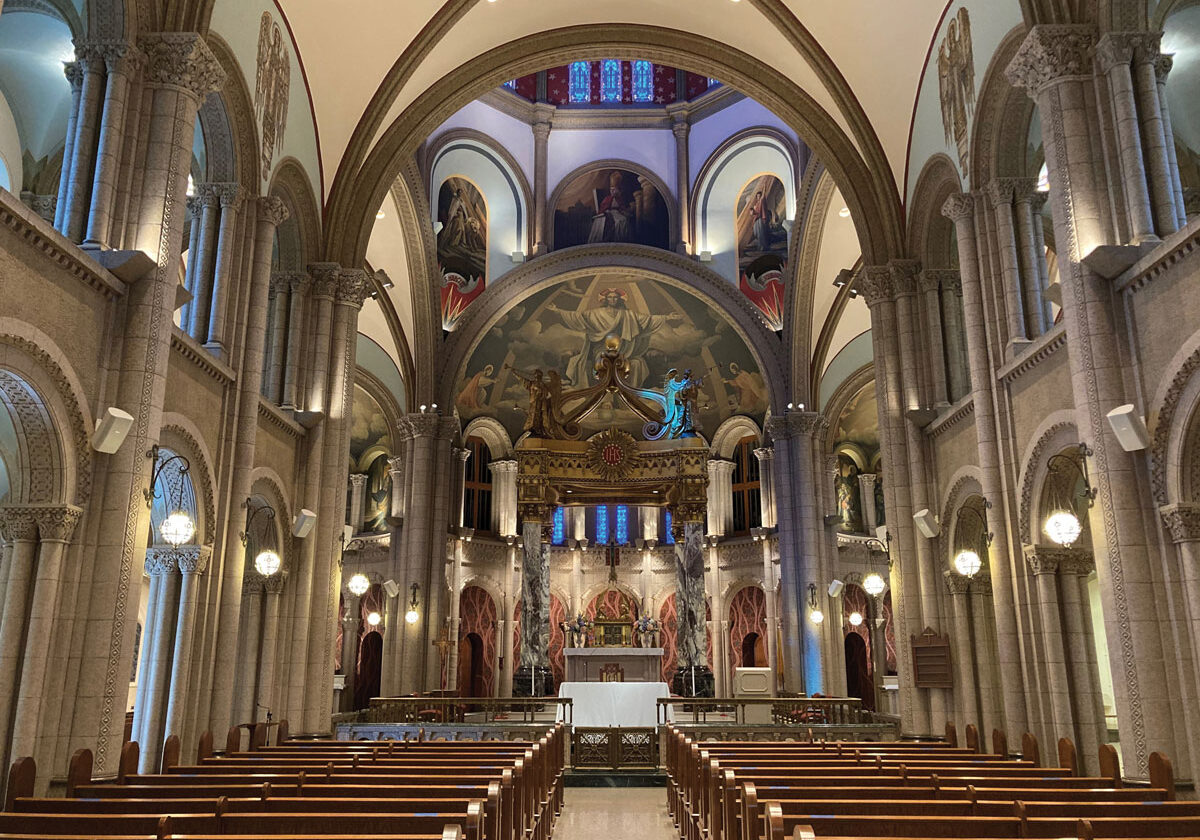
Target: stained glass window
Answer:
pixel 643 81
pixel 610 80
pixel 669 535
pixel 560 527
pixel 623 524
pixel 579 81
pixel 602 525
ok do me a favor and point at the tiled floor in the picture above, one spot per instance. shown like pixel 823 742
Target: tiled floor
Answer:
pixel 615 814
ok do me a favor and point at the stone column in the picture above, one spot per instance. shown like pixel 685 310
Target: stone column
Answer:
pixel 1044 565
pixel 180 72
pixel 351 628
pixel 298 285
pixel 74 73
pixel 1162 68
pixel 192 560
pixel 202 261
pixel 929 283
pixel 504 497
pixel 90 58
pixel 1049 65
pixel 1114 54
pixel 964 690
pixel 577 604
pixel 1074 567
pixel 396 479
pixel 811 521
pixel 268 692
pixel 277 341
pixel 770 589
pixel 983 625
pixel 690 638
pixel 358 492
pixel 683 179
pixel 456 576
pixel 783 432
pixel 20 525
pixel 541 143
pixel 719 626
pixel 121 61
pixel 248 648
pixel 1001 193
pixel 960 210
pixel 866 492
pixel 161 563
pixel 720 497
pixel 1147 49
pixel 218 341
pixel 956 340
pixel 766 480
pixel 323 288
pixel 1033 257
pixel 833 642
pixel 459 485
pixel 535 613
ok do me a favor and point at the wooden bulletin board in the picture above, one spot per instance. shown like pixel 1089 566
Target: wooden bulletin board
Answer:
pixel 931 660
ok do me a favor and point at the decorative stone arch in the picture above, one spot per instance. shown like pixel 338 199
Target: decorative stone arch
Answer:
pixel 737 585
pixel 494 155
pixel 180 435
pixel 1054 434
pixel 1174 417
pixel 731 432
pixel 588 595
pixel 230 130
pixel 61 10
pixel 636 261
pixel 1002 116
pixel 931 236
pixel 34 358
pixel 965 484
pixel 805 256
pixel 488 585
pixel 492 432
pixel 855 453
pixel 265 482
pixel 300 234
pixel 40 472
pixel 668 196
pixel 120 19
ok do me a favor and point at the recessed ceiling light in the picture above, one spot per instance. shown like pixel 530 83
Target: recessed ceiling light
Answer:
pixel 844 212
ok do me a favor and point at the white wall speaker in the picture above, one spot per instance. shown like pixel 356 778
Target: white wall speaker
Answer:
pixel 926 523
pixel 347 533
pixel 1129 427
pixel 391 588
pixel 835 588
pixel 112 430
pixel 303 524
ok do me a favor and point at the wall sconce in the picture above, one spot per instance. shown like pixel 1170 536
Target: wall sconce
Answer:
pixel 267 562
pixel 177 528
pixel 882 541
pixel 374 619
pixel 358 585
pixel 967 562
pixel 1062 525
pixel 874 584
pixel 412 615
pixel 815 615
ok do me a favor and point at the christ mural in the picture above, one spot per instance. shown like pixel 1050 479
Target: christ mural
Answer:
pixel 762 243
pixel 461 247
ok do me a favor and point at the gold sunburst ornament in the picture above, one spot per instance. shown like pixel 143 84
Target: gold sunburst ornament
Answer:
pixel 611 454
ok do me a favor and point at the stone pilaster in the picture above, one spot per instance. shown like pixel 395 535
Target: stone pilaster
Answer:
pixel 1044 566
pixel 1001 193
pixel 396 482
pixel 225 269
pixel 964 656
pixel 201 259
pixel 766 480
pixel 277 338
pixel 541 144
pixel 298 286
pixel 121 61
pixel 1055 65
pixel 358 493
pixel 192 562
pixel 351 630
pixel 1032 252
pixel 681 128
pixel 74 72
pixel 1074 567
pixel 930 285
pixel 268 692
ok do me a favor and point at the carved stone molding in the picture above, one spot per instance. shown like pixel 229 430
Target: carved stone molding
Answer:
pixel 1051 53
pixel 1182 522
pixel 905 275
pixel 324 279
pixel 959 207
pixel 1117 48
pixel 353 287
pixel 1048 559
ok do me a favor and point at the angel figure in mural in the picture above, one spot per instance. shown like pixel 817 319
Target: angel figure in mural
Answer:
pixel 271 88
pixel 615 215
pixel 679 407
pixel 749 393
pixel 474 394
pixel 461 229
pixel 956 82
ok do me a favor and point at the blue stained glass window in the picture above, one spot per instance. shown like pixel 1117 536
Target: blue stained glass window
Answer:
pixel 623 524
pixel 511 84
pixel 602 525
pixel 670 536
pixel 643 81
pixel 560 527
pixel 579 81
pixel 610 80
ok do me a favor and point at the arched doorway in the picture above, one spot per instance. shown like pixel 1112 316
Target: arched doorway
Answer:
pixel 471 682
pixel 754 651
pixel 858 681
pixel 370 662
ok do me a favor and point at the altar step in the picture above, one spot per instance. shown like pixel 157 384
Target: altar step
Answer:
pixel 615 779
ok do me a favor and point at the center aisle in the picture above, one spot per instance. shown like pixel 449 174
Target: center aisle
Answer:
pixel 612 813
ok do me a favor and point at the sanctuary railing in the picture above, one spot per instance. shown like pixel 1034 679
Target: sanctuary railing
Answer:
pixel 775 711
pixel 440 710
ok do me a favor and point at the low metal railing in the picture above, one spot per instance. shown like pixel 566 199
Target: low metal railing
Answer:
pixel 463 709
pixel 782 711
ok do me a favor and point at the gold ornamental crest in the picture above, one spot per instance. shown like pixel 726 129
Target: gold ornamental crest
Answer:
pixel 611 454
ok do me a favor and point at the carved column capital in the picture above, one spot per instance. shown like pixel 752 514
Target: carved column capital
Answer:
pixel 1162 67
pixel 1001 192
pixel 193 559
pixel 19 523
pixel 1042 559
pixel 358 480
pixel 1051 53
pixel 876 284
pixel 57 522
pixel 160 561
pixel 957 584
pixel 229 194
pixel 73 70
pixel 396 465
pixel 182 60
pixel 1076 561
pixel 207 195
pixel 324 279
pixel 959 208
pixel 421 425
pixel 271 210
pixel 1182 522
pixel 353 287
pixel 1116 48
pixel 904 276
pixel 764 453
pixel 275 583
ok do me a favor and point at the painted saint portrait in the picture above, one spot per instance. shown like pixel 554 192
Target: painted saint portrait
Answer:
pixel 762 243
pixel 849 496
pixel 561 331
pixel 857 434
pixel 370 449
pixel 272 83
pixel 461 247
pixel 611 205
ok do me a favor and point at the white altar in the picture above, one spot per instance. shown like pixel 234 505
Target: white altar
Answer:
pixel 625 704
pixel 634 664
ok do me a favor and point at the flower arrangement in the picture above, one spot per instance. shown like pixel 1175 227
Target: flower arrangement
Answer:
pixel 646 624
pixel 578 629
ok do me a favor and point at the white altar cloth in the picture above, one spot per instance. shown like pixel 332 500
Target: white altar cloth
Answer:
pixel 614 703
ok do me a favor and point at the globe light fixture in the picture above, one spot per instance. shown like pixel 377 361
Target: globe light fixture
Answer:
pixel 856 619
pixel 267 562
pixel 968 563
pixel 177 529
pixel 412 616
pixel 874 584
pixel 816 616
pixel 374 618
pixel 358 584
pixel 1063 527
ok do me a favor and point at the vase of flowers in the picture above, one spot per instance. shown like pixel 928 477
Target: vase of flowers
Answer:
pixel 577 630
pixel 646 629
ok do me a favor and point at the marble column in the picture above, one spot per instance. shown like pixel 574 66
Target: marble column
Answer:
pixel 180 72
pixel 270 213
pixel 535 613
pixel 1074 568
pixel 351 629
pixel 298 286
pixel 268 692
pixel 576 606
pixel 208 200
pixel 1049 65
pixel 929 284
pixel 225 270
pixel 90 58
pixel 455 578
pixel 121 62
pixel 149 720
pixel 681 128
pixel 720 497
pixel 965 683
pixel 766 480
pixel 691 644
pixel 74 73
pixel 358 494
pixel 960 210
pixel 192 561
pixel 541 144
pixel 718 624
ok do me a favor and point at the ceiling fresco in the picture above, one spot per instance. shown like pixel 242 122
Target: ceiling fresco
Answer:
pixel 563 328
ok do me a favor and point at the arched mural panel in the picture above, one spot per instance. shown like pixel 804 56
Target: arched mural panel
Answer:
pixel 462 246
pixel 762 245
pixel 611 204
